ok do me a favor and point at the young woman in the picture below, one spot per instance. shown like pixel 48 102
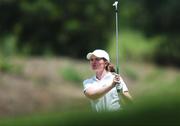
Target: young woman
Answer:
pixel 101 88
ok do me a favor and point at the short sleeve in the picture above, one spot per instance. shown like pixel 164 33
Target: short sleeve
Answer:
pixel 87 83
pixel 124 87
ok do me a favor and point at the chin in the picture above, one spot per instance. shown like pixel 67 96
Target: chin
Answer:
pixel 94 69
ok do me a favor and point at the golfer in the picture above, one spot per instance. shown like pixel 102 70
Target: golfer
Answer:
pixel 101 88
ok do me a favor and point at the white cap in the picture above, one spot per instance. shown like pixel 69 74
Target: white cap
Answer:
pixel 99 53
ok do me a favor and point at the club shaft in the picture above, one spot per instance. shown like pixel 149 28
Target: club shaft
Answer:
pixel 117 44
pixel 118 86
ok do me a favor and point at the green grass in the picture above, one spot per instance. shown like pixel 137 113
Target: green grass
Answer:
pixel 147 112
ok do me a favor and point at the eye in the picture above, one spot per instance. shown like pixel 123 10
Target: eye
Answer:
pixel 98 59
pixel 91 59
pixel 95 59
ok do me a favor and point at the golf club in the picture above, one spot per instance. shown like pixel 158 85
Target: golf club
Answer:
pixel 118 85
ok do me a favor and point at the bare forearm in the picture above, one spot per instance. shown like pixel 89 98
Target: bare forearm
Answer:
pixel 127 97
pixel 95 93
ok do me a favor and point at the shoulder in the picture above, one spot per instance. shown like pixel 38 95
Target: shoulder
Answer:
pixel 110 74
pixel 89 80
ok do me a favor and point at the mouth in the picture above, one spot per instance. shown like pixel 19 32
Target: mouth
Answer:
pixel 94 66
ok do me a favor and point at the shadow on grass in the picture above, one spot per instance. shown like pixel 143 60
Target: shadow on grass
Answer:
pixel 146 114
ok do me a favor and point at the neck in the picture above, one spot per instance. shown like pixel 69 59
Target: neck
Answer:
pixel 100 74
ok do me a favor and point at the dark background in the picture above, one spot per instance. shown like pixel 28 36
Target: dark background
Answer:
pixel 75 27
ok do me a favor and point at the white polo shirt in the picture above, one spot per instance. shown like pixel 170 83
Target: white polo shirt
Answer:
pixel 108 102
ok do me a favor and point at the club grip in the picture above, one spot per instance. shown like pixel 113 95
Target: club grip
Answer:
pixel 119 87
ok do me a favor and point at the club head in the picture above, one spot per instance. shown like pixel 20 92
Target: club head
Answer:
pixel 115 4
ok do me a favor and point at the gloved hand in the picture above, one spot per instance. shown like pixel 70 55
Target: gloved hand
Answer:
pixel 117 82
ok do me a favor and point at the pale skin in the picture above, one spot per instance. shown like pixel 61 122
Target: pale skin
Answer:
pixel 98 66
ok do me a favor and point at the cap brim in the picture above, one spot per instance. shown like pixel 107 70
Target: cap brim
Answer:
pixel 89 55
pixel 99 54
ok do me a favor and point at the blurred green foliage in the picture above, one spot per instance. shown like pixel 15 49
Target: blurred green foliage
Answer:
pixel 133 45
pixel 8 45
pixel 75 27
pixel 7 66
pixel 130 73
pixel 71 74
pixel 71 27
pixel 157 18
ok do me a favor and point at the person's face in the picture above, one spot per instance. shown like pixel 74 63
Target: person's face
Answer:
pixel 97 64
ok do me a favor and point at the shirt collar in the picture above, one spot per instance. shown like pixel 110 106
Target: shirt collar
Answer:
pixel 106 75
